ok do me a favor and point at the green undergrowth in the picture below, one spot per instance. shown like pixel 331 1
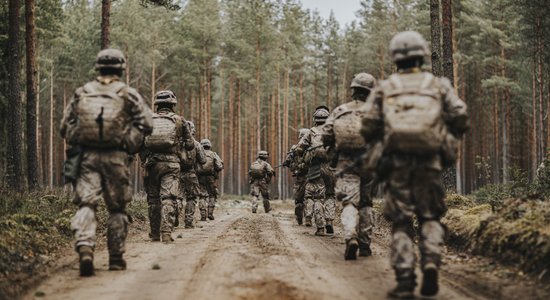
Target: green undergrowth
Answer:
pixel 516 232
pixel 35 227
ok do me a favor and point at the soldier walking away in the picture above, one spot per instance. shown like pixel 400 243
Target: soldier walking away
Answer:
pixel 104 122
pixel 418 119
pixel 298 167
pixel 189 182
pixel 342 135
pixel 319 191
pixel 208 173
pixel 259 177
pixel 161 161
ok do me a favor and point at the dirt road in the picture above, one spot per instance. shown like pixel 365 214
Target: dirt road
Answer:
pixel 242 255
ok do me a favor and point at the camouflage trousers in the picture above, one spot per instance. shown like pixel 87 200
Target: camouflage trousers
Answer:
pixel 104 174
pixel 414 187
pixel 260 188
pixel 209 194
pixel 357 215
pixel 190 190
pixel 299 195
pixel 162 187
pixel 323 209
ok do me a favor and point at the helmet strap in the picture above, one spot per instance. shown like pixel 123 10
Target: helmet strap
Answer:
pixel 360 94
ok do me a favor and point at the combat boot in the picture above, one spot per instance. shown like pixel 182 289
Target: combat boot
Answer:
pixel 405 285
pixel 253 210
pixel 430 285
pixel 189 226
pixel 364 250
pixel 308 222
pixel 167 238
pixel 211 213
pixel 154 238
pixel 203 215
pixel 116 263
pixel 351 249
pixel 86 254
pixel 320 231
pixel 329 228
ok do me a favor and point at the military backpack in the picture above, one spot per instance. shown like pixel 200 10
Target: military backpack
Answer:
pixel 257 170
pixel 102 116
pixel 346 126
pixel 413 115
pixel 208 168
pixel 164 137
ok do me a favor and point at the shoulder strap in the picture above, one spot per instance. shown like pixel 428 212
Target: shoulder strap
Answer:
pixel 341 110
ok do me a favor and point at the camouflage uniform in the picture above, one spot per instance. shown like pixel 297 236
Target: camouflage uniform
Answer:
pixel 259 185
pixel 320 187
pixel 352 188
pixel 298 168
pixel 207 181
pixel 104 171
pixel 189 182
pixel 162 171
pixel 413 180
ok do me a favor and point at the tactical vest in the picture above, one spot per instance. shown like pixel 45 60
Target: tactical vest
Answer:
pixel 316 152
pixel 413 114
pixel 102 116
pixel 208 167
pixel 347 125
pixel 164 138
pixel 257 169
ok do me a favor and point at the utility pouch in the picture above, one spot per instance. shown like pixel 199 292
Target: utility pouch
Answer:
pixel 71 166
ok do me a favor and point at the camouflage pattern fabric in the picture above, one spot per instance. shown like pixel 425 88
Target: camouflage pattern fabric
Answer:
pixel 260 188
pixel 209 193
pixel 189 191
pixel 162 187
pixel 104 175
pixel 315 200
pixel 299 195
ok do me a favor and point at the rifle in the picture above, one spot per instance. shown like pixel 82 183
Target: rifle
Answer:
pixel 99 121
pixel 313 148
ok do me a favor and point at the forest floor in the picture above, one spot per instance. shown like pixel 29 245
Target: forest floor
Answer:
pixel 241 255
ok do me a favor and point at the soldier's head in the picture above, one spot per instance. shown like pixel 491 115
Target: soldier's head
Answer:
pixel 110 62
pixel 191 127
pixel 205 143
pixel 361 86
pixel 320 115
pixel 263 155
pixel 302 132
pixel 165 99
pixel 408 49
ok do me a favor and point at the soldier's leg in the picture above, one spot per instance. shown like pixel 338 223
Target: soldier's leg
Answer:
pixel 192 194
pixel 117 193
pixel 318 188
pixel 330 197
pixel 88 193
pixel 255 193
pixel 366 217
pixel 152 188
pixel 299 191
pixel 212 196
pixel 347 191
pixel 309 193
pixel 169 193
pixel 203 198
pixel 264 190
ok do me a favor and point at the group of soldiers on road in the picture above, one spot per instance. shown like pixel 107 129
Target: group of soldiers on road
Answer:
pixel 400 132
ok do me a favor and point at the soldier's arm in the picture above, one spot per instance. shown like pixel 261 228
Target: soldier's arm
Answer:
pixel 304 143
pixel 186 139
pixel 372 127
pixel 327 133
pixel 201 155
pixel 69 116
pixel 455 110
pixel 269 169
pixel 142 116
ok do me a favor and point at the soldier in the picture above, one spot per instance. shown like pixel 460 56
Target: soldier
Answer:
pixel 319 191
pixel 259 177
pixel 341 133
pixel 208 174
pixel 161 159
pixel 418 119
pixel 298 168
pixel 190 189
pixel 105 121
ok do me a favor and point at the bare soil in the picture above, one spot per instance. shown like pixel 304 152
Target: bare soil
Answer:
pixel 241 255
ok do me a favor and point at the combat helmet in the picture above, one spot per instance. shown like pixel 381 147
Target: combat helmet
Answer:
pixel 302 132
pixel 363 80
pixel 320 114
pixel 408 44
pixel 110 58
pixel 205 143
pixel 191 127
pixel 166 96
pixel 263 154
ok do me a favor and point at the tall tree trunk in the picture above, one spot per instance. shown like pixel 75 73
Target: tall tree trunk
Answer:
pixel 14 127
pixel 30 40
pixel 447 29
pixel 105 23
pixel 435 37
pixel 51 145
